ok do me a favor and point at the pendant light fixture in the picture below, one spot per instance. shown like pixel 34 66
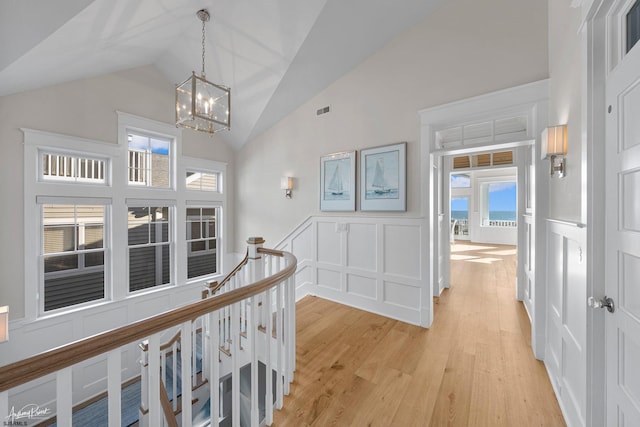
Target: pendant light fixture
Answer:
pixel 200 104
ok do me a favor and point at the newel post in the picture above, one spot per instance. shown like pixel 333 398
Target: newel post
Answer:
pixel 256 260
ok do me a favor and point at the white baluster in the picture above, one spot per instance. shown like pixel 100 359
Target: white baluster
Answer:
pixel 194 352
pixel 174 374
pixel 253 344
pixel 269 376
pixel 292 346
pixel 287 338
pixel 144 384
pixel 279 371
pixel 185 353
pixel 235 365
pixel 114 387
pixel 64 399
pixel 214 367
pixel 155 410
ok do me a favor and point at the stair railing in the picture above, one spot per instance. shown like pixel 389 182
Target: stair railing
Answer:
pixel 270 280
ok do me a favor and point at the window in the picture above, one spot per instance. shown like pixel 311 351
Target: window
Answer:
pixel 149 161
pixel 202 235
pixel 82 257
pixel 63 167
pixel 202 181
pixel 149 248
pixel 73 253
pixel 483 160
pixel 633 26
pixel 499 201
pixel 460 181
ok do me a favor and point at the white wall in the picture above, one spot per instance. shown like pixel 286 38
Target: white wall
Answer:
pixel 465 48
pixel 566 252
pixel 87 109
pixel 565 107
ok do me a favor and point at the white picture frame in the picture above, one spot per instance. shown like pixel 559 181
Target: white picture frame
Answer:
pixel 338 182
pixel 383 178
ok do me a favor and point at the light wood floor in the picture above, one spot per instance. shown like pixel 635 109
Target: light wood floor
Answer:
pixel 473 367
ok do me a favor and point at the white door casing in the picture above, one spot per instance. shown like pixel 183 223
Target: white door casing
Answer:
pixel 622 266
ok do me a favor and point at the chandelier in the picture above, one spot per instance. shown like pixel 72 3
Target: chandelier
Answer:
pixel 200 104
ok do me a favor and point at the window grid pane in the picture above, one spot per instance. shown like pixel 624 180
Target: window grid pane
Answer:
pixel 149 247
pixel 72 168
pixel 201 242
pixel 73 254
pixel 149 161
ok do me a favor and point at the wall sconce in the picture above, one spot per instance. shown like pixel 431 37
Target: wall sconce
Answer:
pixel 286 184
pixel 554 148
pixel 4 323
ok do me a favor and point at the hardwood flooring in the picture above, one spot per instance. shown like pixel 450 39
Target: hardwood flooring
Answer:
pixel 473 367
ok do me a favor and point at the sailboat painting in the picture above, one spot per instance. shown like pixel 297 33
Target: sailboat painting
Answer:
pixel 337 187
pixel 383 178
pixel 338 182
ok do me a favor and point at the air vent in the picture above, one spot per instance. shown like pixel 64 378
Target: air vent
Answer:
pixel 324 110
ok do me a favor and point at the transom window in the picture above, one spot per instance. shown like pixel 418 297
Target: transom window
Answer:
pixel 65 167
pixel 202 181
pixel 149 161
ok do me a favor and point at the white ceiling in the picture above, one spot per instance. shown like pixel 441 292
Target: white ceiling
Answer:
pixel 274 54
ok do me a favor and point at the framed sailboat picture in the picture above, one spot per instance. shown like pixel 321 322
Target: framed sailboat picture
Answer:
pixel 338 182
pixel 383 178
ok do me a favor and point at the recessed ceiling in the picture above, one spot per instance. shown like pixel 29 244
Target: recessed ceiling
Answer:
pixel 274 55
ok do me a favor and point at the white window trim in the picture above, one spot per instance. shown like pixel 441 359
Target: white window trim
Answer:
pixel 141 203
pixel 117 191
pixel 207 250
pixel 39 241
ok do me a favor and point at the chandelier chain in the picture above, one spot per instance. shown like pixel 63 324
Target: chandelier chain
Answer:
pixel 203 75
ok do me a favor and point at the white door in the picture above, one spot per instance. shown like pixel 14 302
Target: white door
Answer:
pixel 623 241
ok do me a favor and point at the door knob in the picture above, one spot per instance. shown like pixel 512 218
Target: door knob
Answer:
pixel 600 303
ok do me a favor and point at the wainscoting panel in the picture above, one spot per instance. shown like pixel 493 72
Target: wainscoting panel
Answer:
pixel 302 245
pixel 329 247
pixel 329 279
pixel 96 321
pixel 402 250
pixel 566 358
pixel 362 286
pixel 402 295
pixel 529 269
pixel 362 240
pixel 371 263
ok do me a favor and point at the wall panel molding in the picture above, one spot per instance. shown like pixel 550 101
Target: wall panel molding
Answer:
pixel 372 263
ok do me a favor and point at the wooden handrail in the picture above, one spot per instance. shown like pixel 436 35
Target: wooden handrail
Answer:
pixel 273 252
pixel 224 281
pixel 50 361
pixel 169 416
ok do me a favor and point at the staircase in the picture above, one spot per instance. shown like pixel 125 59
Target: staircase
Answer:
pixel 210 363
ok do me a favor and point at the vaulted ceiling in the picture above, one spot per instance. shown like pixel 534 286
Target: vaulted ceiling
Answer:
pixel 274 54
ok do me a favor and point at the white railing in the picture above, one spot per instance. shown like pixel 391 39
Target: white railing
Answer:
pixel 235 328
pixel 500 223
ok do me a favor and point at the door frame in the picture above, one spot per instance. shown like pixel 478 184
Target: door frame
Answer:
pixel 530 100
pixel 520 164
pixel 595 67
